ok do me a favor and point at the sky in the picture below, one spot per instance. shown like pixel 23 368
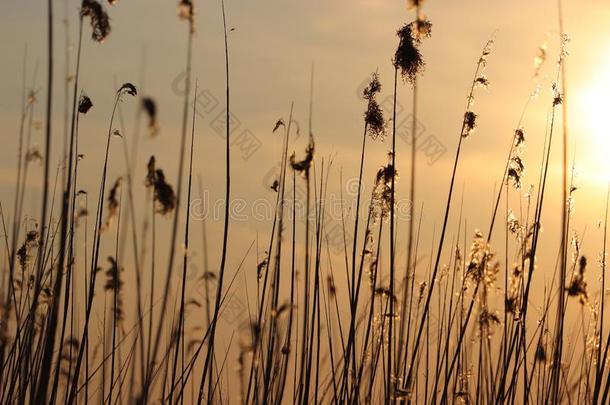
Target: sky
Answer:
pixel 274 46
pixel 272 50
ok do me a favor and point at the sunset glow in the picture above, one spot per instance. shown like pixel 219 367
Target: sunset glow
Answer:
pixel 304 202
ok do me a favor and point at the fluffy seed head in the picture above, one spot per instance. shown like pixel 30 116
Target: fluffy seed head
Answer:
pixel 408 58
pixel 373 116
pixel 470 123
pixel 84 104
pixel 100 23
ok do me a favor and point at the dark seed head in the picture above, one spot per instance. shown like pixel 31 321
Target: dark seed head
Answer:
pixel 100 23
pixel 84 104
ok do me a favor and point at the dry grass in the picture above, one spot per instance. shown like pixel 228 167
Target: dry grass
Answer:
pixel 460 330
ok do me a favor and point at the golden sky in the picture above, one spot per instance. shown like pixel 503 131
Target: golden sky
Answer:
pixel 272 48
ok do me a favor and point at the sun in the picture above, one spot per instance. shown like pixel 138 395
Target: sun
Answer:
pixel 592 125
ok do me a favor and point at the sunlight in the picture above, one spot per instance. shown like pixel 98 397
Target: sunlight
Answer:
pixel 594 112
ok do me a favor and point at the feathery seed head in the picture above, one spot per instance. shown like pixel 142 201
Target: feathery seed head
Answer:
pixel 470 123
pixel 128 88
pixel 408 58
pixel 304 165
pixel 373 116
pixel 84 104
pixel 100 23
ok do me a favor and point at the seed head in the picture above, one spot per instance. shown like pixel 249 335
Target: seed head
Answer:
pixel 33 155
pixel 414 3
pixel 382 191
pixel 470 123
pixel 578 285
pixel 164 194
pixel 408 58
pixel 128 88
pixel 279 123
pixel 540 353
pixel 84 104
pixel 539 59
pixel 114 202
pixel 373 116
pixel 150 108
pixel 519 136
pixel 516 168
pixel 186 11
pixel 98 18
pixel 304 165
pixel 482 81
